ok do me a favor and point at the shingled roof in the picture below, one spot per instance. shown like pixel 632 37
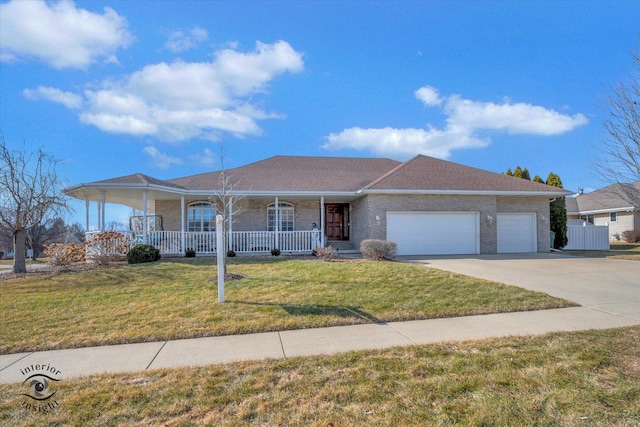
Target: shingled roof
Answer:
pixel 606 199
pixel 137 179
pixel 332 175
pixel 427 173
pixel 297 173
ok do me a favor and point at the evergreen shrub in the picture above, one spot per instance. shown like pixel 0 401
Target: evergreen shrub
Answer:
pixel 142 253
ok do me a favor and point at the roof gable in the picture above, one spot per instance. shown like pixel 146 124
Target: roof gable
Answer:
pixel 431 174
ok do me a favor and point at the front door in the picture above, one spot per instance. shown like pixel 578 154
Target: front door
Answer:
pixel 336 224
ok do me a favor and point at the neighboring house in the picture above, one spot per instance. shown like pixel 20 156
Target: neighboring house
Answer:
pixel 425 205
pixel 605 207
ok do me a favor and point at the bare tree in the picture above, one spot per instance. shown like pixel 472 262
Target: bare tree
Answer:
pixel 29 193
pixel 226 198
pixel 619 164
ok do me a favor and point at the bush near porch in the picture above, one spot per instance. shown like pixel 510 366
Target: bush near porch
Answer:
pixel 174 300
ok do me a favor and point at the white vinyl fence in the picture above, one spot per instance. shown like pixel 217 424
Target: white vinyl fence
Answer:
pixel 588 238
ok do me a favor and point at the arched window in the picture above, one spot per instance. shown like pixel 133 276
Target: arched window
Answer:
pixel 286 217
pixel 201 217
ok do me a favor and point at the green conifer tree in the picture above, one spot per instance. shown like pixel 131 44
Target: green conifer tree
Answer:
pixel 518 172
pixel 558 213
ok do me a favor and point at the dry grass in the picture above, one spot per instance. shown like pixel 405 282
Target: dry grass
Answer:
pixel 562 379
pixel 172 300
pixel 628 251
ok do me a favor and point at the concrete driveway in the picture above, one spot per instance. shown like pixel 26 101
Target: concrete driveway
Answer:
pixel 607 285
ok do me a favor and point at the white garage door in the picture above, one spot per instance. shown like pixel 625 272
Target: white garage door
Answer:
pixel 517 233
pixel 434 233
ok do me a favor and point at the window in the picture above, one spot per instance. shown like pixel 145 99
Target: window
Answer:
pixel 589 218
pixel 613 216
pixel 201 217
pixel 285 216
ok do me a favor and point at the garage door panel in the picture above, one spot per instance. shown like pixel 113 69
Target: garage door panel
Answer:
pixel 431 233
pixel 517 233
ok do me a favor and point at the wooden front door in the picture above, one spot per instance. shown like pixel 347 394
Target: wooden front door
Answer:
pixel 335 222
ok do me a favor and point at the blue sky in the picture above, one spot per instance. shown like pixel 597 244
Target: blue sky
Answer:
pixel 113 88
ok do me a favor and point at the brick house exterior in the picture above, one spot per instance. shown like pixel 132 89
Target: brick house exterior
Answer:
pixel 349 200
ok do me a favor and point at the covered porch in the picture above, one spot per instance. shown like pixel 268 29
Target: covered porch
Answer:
pixel 174 219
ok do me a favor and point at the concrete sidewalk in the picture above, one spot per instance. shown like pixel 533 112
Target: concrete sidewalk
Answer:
pixel 609 291
pixel 304 342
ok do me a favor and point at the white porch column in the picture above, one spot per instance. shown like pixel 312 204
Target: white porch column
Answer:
pixel 103 202
pixel 182 236
pixel 183 240
pixel 86 214
pixel 277 223
pixel 144 218
pixel 322 221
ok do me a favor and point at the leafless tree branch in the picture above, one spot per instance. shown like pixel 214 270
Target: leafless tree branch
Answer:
pixel 29 192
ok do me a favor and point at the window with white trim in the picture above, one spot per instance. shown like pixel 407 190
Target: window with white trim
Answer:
pixel 286 217
pixel 589 218
pixel 201 216
pixel 613 216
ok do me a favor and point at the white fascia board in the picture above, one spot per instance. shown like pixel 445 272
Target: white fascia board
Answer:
pixel 270 193
pixel 208 192
pixel 610 210
pixel 549 194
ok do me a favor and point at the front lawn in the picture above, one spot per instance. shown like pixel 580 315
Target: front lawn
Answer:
pixel 628 251
pixel 589 378
pixel 173 300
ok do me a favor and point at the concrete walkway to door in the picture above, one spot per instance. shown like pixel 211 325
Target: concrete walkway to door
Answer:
pixel 602 284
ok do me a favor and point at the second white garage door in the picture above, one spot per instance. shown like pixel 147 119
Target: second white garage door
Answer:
pixel 517 233
pixel 434 233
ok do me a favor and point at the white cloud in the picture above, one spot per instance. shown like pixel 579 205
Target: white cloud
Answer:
pixel 60 34
pixel 517 118
pixel 404 142
pixel 160 160
pixel 466 122
pixel 429 95
pixel 68 99
pixel 184 100
pixel 180 41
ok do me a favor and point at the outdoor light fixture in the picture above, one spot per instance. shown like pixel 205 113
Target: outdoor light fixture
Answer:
pixel 490 219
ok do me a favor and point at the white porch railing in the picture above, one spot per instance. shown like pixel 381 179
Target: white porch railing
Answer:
pixel 170 242
pixel 286 241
